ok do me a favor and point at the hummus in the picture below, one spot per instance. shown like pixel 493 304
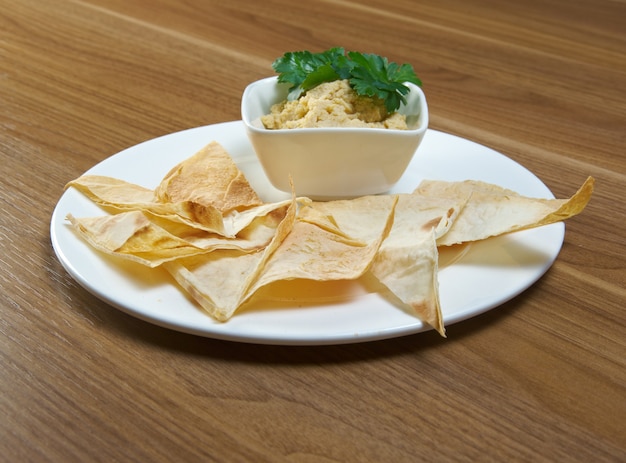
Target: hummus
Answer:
pixel 332 104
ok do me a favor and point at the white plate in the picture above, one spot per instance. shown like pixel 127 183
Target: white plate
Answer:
pixel 472 280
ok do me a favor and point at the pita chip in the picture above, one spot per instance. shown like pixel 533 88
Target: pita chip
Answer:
pixel 311 248
pixel 150 241
pixel 221 280
pixel 120 195
pixel 492 210
pixel 209 178
pixel 407 262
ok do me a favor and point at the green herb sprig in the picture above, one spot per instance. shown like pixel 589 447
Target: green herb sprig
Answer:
pixel 369 74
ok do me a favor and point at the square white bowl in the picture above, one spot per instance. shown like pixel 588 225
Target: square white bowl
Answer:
pixel 333 162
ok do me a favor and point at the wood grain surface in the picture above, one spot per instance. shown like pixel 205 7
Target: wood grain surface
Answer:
pixel 541 378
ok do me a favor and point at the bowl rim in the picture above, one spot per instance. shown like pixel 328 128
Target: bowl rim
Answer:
pixel 273 80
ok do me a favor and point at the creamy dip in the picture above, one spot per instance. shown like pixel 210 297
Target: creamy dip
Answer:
pixel 332 104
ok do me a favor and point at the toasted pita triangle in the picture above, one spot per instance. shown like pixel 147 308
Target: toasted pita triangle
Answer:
pixel 120 195
pixel 407 260
pixel 317 251
pixel 130 235
pixel 209 178
pixel 220 281
pixel 206 191
pixel 492 210
pixel 150 241
pixel 303 249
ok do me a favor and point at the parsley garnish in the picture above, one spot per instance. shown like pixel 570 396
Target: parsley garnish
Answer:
pixel 369 74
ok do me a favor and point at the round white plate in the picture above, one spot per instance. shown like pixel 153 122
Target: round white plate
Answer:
pixel 472 279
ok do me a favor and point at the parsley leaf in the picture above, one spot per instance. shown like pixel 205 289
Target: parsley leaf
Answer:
pixel 305 70
pixel 369 74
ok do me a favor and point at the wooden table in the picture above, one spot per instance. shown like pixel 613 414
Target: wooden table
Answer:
pixel 541 378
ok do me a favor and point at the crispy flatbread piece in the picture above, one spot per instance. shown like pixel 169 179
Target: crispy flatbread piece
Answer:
pixel 151 241
pixel 407 262
pixel 209 178
pixel 317 250
pixel 220 281
pixel 492 210
pixel 120 195
pixel 131 236
pixel 206 191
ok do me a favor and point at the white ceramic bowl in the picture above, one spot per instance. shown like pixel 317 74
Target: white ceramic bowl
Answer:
pixel 334 162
